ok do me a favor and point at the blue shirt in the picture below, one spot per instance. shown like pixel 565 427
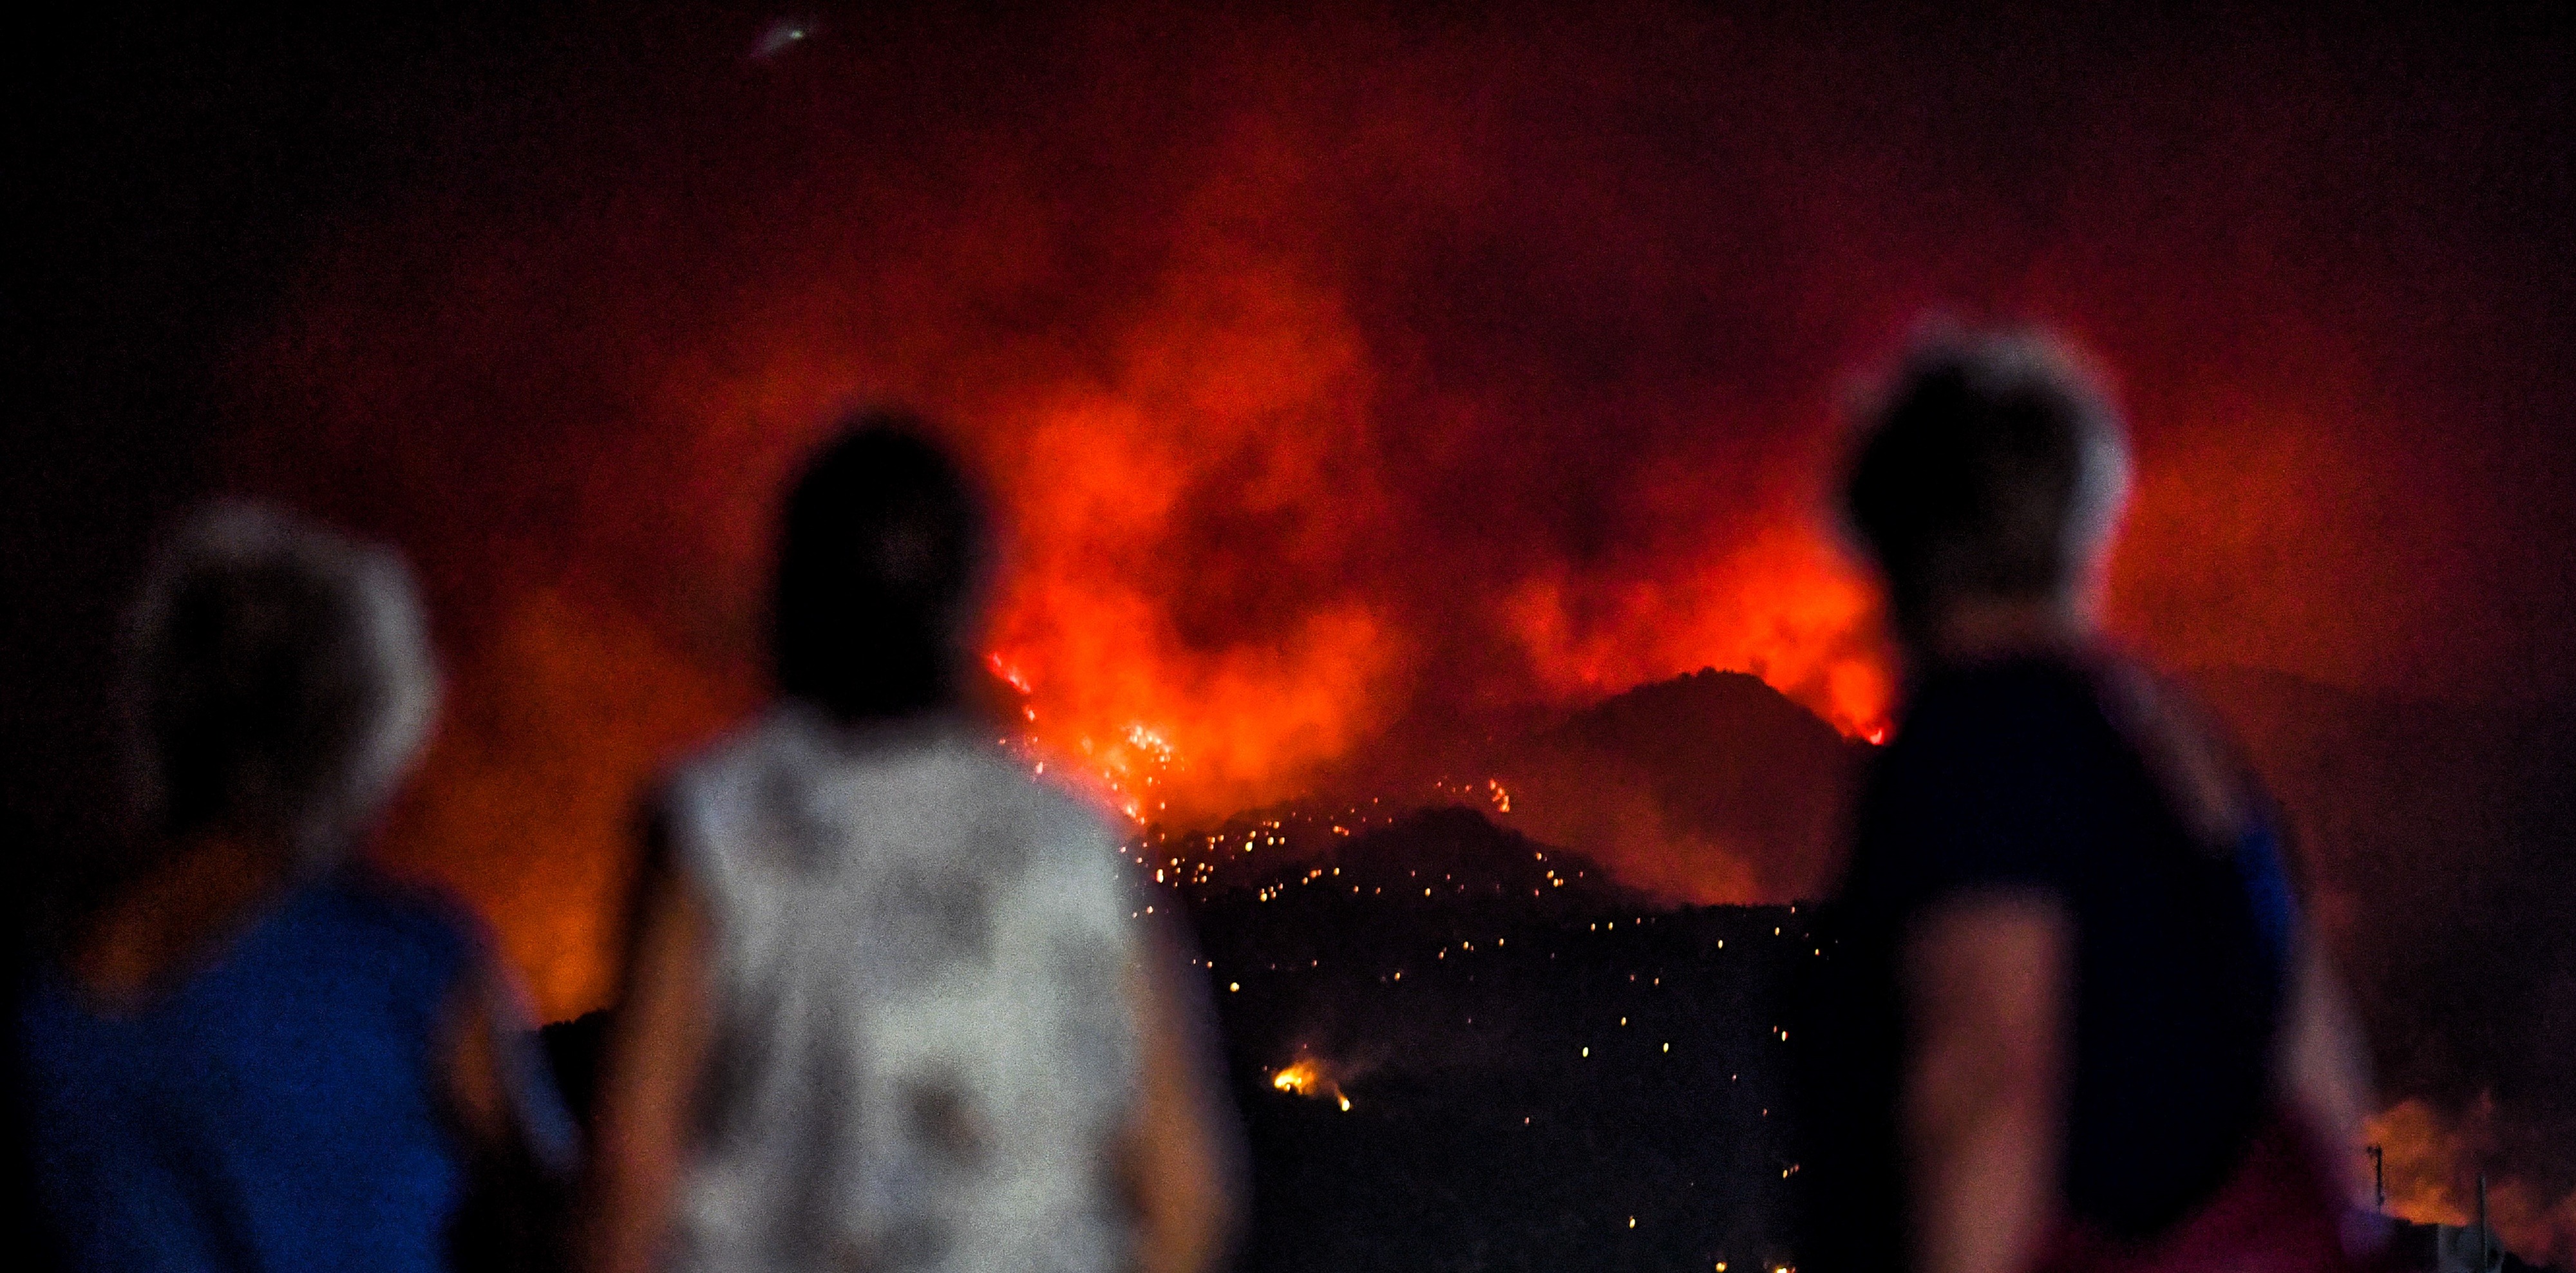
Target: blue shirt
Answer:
pixel 278 1110
pixel 2013 776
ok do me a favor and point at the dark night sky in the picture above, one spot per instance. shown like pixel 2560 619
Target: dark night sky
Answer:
pixel 1342 367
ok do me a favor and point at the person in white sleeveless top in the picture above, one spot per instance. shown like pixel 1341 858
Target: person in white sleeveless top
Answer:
pixel 888 1008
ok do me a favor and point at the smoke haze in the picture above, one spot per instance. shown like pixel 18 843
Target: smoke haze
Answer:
pixel 1351 376
pixel 1338 370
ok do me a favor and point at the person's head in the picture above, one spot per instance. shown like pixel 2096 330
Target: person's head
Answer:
pixel 280 680
pixel 882 561
pixel 1990 469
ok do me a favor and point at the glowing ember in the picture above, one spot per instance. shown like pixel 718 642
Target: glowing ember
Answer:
pixel 1306 1078
pixel 1017 679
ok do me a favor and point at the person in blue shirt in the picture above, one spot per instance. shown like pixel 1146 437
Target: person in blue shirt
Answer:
pixel 254 1052
pixel 2073 1018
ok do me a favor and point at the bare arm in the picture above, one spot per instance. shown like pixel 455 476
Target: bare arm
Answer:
pixel 2320 1069
pixel 497 1087
pixel 1982 1111
pixel 2321 1074
pixel 648 1089
pixel 1181 1162
pixel 520 1144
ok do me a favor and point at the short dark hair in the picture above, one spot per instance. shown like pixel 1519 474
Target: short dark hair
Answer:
pixel 882 559
pixel 1989 466
pixel 279 677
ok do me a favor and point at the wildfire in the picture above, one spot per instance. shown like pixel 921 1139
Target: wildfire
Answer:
pixel 1781 606
pixel 1010 673
pixel 2431 1157
pixel 1129 774
pixel 1245 479
pixel 1306 1078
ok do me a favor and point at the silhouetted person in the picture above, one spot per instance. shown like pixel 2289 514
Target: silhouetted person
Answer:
pixel 2074 1020
pixel 255 1053
pixel 888 1008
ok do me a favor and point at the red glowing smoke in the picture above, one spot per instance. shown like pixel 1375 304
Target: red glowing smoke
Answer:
pixel 1337 373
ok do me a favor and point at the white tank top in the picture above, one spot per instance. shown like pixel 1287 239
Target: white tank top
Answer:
pixel 923 1046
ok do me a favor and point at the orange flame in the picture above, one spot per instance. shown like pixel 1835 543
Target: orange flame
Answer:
pixel 1306 1078
pixel 2432 1164
pixel 1258 454
pixel 1299 1078
pixel 1782 607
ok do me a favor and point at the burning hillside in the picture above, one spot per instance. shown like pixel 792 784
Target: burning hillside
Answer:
pixel 1344 377
pixel 1363 385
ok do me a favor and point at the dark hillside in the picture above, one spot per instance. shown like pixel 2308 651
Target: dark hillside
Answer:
pixel 1710 785
pixel 1542 1070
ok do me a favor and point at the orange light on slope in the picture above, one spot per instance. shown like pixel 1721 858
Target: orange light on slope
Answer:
pixel 1306 1078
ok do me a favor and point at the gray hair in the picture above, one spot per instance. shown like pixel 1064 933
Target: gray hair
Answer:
pixel 1991 465
pixel 278 678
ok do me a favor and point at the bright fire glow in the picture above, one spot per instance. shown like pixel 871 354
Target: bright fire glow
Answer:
pixel 1306 1078
pixel 1279 475
pixel 2431 1179
pixel 1299 1078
